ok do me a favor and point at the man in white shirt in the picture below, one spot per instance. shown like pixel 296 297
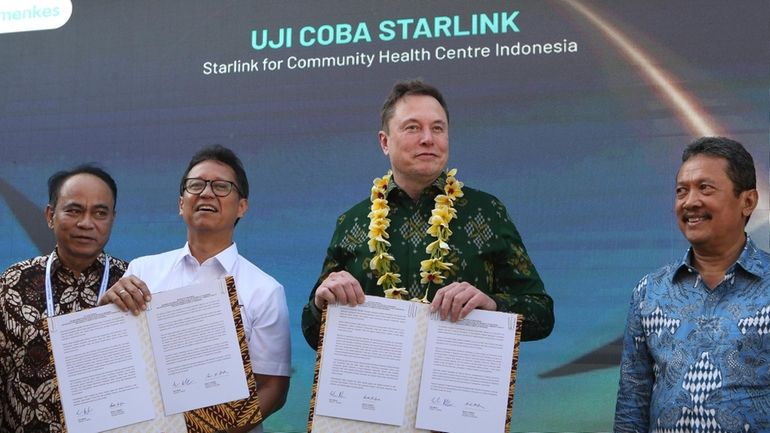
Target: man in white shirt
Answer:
pixel 213 197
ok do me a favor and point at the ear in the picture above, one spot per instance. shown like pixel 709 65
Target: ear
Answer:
pixel 749 201
pixel 181 204
pixel 383 137
pixel 49 216
pixel 243 206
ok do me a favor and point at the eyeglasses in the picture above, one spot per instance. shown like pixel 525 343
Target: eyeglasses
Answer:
pixel 220 188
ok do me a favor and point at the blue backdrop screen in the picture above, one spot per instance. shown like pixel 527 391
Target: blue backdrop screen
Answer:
pixel 573 113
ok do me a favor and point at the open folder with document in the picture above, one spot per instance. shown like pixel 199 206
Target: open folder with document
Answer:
pixel 181 366
pixel 392 366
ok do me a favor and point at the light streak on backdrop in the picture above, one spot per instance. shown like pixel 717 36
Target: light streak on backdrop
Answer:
pixel 684 105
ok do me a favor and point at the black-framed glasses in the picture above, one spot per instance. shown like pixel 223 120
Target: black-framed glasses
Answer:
pixel 220 188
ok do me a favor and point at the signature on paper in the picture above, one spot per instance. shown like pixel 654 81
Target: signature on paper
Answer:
pixel 181 385
pixel 336 396
pixel 83 413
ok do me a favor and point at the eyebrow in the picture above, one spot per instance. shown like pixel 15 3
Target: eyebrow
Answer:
pixel 78 205
pixel 697 180
pixel 414 119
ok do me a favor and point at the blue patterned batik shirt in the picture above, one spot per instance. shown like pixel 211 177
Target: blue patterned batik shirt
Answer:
pixel 695 359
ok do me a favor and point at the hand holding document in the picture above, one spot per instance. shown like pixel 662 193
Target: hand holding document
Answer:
pixel 106 361
pixel 390 366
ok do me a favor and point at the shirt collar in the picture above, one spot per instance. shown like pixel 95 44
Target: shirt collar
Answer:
pixel 57 265
pixel 750 260
pixel 436 186
pixel 226 258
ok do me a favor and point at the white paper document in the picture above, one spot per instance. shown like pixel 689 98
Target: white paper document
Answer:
pixel 196 347
pixel 100 369
pixel 466 373
pixel 110 364
pixel 365 363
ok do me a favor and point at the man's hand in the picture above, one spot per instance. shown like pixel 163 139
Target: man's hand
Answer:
pixel 129 293
pixel 339 287
pixel 456 300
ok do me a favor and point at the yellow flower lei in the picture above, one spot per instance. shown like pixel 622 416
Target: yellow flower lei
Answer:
pixel 431 270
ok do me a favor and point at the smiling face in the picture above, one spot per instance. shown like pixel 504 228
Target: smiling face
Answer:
pixel 417 141
pixel 207 213
pixel 81 219
pixel 710 215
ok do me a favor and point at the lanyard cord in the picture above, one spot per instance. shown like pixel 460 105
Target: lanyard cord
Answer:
pixel 49 286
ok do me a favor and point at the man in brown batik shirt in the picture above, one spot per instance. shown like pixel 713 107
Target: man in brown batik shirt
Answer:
pixel 80 211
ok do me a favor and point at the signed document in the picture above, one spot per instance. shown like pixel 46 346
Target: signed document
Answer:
pixel 100 369
pixel 366 356
pixel 196 347
pixel 390 366
pixel 466 371
pixel 178 367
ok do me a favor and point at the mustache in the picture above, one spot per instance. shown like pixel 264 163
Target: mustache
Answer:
pixel 688 215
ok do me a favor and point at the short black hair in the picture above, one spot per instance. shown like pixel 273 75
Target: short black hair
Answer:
pixel 56 181
pixel 740 164
pixel 405 88
pixel 219 153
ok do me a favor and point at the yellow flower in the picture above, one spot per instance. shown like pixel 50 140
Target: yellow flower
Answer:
pixel 441 215
pixel 439 232
pixel 437 246
pixel 432 265
pixel 431 278
pixel 379 261
pixel 374 243
pixel 381 183
pixel 379 214
pixel 453 188
pixel 443 200
pixel 379 204
pixel 389 279
pixel 396 293
pixel 452 173
pixel 378 232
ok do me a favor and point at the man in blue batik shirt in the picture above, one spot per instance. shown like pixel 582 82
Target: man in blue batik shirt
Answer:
pixel 696 351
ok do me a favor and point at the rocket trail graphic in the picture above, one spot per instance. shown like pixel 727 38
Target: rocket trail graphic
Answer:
pixel 685 106
pixel 29 215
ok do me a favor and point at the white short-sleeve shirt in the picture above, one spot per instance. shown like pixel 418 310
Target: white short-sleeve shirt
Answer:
pixel 262 299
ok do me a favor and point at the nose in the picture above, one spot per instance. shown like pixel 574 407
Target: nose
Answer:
pixel 85 222
pixel 208 190
pixel 426 137
pixel 691 199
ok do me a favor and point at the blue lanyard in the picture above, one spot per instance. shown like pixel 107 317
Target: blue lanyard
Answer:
pixel 49 287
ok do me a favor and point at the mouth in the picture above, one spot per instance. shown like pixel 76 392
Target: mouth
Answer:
pixel 692 220
pixel 426 155
pixel 83 239
pixel 206 208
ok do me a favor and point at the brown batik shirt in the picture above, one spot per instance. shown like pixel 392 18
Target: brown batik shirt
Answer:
pixel 27 397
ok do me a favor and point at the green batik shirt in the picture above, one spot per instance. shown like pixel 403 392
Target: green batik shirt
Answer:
pixel 486 252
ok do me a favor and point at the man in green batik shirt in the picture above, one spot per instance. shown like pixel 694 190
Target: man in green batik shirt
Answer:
pixel 489 266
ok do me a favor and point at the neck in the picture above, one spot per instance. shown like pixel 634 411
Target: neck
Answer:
pixel 75 264
pixel 713 263
pixel 204 247
pixel 413 188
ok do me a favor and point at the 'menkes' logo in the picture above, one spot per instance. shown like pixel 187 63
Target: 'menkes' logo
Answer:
pixel 30 15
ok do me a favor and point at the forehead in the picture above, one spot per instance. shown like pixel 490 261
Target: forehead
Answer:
pixel 211 169
pixel 420 107
pixel 701 167
pixel 86 188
